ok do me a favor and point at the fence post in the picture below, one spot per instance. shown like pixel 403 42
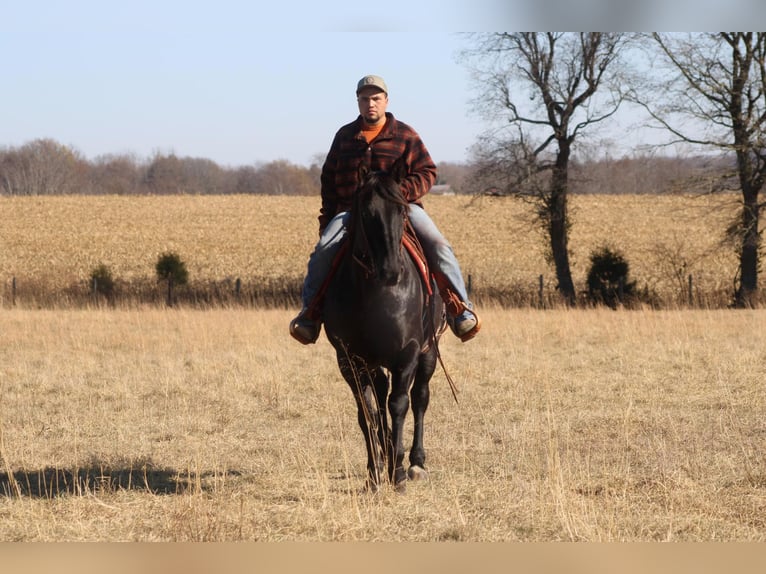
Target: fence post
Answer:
pixel 170 290
pixel 238 287
pixel 470 284
pixel 691 291
pixel 540 292
pixel 13 291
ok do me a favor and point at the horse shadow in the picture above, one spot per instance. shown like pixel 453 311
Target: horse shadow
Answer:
pixel 53 482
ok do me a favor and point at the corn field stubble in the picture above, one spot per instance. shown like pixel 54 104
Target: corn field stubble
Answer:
pixel 52 243
pixel 188 425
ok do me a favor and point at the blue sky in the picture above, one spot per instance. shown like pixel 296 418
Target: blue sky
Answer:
pixel 245 82
pixel 221 83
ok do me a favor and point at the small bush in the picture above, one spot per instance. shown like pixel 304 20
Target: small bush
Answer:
pixel 608 282
pixel 171 268
pixel 101 281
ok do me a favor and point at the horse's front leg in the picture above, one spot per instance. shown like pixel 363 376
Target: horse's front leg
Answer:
pixel 380 382
pixel 421 395
pixel 360 381
pixel 372 425
pixel 398 405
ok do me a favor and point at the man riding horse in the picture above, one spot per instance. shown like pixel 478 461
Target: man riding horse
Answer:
pixel 376 140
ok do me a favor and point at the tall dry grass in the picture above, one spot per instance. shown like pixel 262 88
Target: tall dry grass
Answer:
pixel 184 425
pixel 51 245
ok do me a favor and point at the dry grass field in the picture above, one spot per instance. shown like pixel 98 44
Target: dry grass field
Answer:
pixel 140 423
pixel 53 243
pixel 191 425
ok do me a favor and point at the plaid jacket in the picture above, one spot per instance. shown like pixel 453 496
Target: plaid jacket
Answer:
pixel 349 148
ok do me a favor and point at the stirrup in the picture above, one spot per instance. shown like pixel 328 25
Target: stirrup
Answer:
pixel 304 330
pixel 470 333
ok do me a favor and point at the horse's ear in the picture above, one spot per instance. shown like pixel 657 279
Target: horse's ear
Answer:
pixel 362 172
pixel 399 170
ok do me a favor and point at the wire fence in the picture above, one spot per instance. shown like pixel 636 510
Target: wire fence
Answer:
pixel 539 293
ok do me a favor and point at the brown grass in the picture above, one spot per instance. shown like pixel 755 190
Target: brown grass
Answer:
pixel 51 245
pixel 186 425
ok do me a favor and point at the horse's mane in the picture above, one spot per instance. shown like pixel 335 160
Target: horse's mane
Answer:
pixel 385 185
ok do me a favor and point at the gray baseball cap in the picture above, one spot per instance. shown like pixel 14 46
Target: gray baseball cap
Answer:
pixel 371 81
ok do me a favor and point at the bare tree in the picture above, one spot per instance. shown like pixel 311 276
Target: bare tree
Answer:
pixel 548 88
pixel 714 96
pixel 42 167
pixel 282 177
pixel 165 175
pixel 203 176
pixel 116 174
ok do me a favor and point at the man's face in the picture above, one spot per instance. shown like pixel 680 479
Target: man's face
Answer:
pixel 372 104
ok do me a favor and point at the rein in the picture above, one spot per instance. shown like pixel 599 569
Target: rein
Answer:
pixel 359 259
pixel 434 340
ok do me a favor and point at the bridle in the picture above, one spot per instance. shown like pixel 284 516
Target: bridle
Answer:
pixel 361 253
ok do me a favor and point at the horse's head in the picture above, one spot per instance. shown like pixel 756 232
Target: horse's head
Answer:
pixel 378 222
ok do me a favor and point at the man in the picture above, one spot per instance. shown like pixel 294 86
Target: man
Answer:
pixel 378 140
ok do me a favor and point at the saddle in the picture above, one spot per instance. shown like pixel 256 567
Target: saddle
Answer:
pixel 452 302
pixel 410 243
pixel 415 250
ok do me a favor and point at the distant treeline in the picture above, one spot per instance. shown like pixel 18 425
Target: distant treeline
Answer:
pixel 46 167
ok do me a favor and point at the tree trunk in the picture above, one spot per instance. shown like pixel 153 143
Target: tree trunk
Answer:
pixel 559 225
pixel 747 291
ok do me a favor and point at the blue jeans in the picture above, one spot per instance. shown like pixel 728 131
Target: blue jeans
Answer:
pixel 438 252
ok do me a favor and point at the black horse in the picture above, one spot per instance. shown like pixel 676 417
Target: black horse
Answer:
pixel 381 320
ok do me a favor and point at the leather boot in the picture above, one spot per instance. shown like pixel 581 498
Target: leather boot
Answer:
pixel 304 329
pixel 465 325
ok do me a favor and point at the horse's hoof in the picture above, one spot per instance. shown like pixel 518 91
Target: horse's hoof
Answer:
pixel 401 487
pixel 369 487
pixel 417 473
